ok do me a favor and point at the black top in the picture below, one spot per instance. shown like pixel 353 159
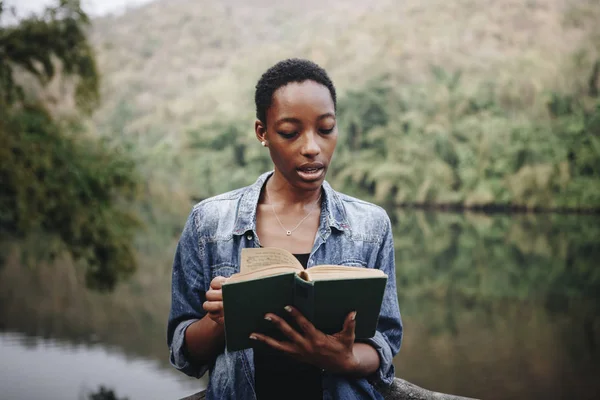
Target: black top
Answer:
pixel 278 376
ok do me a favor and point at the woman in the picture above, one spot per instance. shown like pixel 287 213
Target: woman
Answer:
pixel 293 208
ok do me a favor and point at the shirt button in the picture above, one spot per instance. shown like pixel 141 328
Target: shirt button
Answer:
pixel 249 237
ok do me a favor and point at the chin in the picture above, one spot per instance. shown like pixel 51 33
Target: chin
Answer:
pixel 310 184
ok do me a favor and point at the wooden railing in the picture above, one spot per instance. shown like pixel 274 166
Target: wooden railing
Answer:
pixel 399 390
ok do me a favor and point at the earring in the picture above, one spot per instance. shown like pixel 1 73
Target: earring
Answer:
pixel 264 143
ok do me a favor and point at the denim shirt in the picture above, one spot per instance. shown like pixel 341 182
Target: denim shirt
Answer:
pixel 351 232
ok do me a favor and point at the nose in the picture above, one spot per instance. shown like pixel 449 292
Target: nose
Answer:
pixel 310 145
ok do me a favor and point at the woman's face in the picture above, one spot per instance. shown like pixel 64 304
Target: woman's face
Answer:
pixel 301 133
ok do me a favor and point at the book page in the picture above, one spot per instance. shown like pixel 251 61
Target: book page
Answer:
pixel 256 258
pixel 261 273
pixel 333 272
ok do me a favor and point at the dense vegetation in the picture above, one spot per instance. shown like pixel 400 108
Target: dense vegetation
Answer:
pixel 503 114
pixel 61 188
pixel 513 124
pixel 440 144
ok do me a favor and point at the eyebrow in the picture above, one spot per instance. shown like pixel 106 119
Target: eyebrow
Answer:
pixel 297 121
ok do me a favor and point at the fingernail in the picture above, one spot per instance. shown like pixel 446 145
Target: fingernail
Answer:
pixel 287 308
pixel 252 337
pixel 268 318
pixel 353 317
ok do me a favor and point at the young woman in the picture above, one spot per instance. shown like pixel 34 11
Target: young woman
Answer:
pixel 293 208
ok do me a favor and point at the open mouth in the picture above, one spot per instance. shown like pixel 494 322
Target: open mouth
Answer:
pixel 311 173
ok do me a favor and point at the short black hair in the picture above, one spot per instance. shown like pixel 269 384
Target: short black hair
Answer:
pixel 284 72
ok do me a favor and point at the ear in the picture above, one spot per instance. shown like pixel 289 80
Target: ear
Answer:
pixel 260 130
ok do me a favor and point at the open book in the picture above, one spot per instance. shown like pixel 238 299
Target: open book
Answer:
pixel 271 278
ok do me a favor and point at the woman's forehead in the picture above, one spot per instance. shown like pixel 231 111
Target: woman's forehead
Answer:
pixel 306 96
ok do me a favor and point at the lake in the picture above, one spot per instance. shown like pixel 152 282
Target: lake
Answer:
pixel 494 306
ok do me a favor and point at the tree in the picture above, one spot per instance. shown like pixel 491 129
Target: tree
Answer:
pixel 57 181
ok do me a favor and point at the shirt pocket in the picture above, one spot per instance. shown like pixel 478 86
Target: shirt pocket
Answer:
pixel 358 253
pixel 353 250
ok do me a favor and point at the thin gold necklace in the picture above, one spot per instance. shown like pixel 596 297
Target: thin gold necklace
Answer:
pixel 289 232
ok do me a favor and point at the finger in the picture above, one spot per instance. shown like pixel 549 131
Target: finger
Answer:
pixel 217 282
pixel 287 330
pixel 285 347
pixel 213 306
pixel 214 295
pixel 303 323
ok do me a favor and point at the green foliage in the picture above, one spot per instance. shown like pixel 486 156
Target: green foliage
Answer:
pixel 56 180
pixel 436 143
pixel 451 134
pixel 445 144
pixel 37 42
pixel 576 124
pixel 213 146
pixel 426 117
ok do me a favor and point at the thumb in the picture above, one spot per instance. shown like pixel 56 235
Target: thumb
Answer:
pixel 349 326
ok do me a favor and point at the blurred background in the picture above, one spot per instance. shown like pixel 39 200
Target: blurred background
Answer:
pixel 475 123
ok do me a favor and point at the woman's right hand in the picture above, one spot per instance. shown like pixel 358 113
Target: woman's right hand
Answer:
pixel 205 338
pixel 214 300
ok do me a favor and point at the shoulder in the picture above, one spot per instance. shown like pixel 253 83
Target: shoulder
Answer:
pixel 364 218
pixel 353 204
pixel 217 213
pixel 221 200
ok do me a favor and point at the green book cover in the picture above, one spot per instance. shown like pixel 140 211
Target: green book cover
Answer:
pixel 334 299
pixel 325 299
pixel 246 303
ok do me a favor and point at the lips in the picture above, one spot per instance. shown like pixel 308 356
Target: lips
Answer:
pixel 311 171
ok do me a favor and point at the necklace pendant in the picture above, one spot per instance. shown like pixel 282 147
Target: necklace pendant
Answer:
pixel 289 233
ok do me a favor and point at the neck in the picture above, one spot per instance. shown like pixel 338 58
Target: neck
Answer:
pixel 281 192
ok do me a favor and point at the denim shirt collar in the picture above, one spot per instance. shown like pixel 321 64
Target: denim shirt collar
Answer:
pixel 333 214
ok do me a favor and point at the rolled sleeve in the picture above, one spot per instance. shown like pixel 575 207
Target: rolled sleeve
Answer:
pixel 178 355
pixel 385 374
pixel 388 336
pixel 187 296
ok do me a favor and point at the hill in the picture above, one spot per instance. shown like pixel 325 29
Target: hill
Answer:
pixel 176 63
pixel 179 75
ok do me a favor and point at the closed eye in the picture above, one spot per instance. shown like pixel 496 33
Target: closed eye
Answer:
pixel 287 135
pixel 326 131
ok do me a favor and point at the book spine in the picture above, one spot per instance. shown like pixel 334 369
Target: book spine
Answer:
pixel 304 297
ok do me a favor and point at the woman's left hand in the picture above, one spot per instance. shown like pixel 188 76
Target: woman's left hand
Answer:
pixel 333 353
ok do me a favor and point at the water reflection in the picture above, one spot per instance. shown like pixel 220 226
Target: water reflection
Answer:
pixel 497 307
pixel 500 307
pixel 33 368
pixel 104 393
